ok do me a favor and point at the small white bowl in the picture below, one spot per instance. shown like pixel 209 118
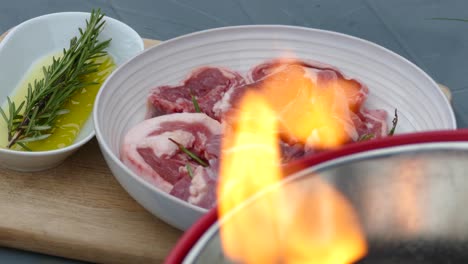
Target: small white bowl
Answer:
pixel 36 38
pixel 393 81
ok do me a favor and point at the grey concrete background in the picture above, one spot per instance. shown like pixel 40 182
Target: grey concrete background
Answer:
pixel 405 26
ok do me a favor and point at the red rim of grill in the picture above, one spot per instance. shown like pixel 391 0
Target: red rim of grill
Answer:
pixel 191 236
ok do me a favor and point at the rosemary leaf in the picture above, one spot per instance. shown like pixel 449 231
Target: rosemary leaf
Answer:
pixel 31 139
pixel 4 115
pixel 394 124
pixel 366 137
pixel 21 144
pixel 189 170
pixel 189 153
pixel 18 110
pixel 195 102
pixel 40 128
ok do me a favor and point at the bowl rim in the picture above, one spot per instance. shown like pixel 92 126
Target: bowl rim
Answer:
pixel 348 153
pixel 114 157
pixel 91 134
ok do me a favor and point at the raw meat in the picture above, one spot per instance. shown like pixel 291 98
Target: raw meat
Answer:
pixel 371 122
pixel 356 92
pixel 149 152
pixel 361 121
pixel 212 88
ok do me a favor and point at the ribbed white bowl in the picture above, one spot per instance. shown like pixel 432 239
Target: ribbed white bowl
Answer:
pixel 393 81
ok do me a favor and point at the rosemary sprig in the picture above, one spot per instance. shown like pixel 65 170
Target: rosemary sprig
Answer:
pixel 394 124
pixel 189 153
pixel 46 97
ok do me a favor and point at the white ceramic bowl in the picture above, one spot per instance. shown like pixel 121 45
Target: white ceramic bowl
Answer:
pixel 393 82
pixel 36 38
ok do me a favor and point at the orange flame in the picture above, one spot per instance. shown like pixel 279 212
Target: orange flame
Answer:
pixel 294 223
pixel 316 113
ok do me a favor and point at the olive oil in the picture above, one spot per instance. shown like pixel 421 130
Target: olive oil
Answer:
pixel 80 106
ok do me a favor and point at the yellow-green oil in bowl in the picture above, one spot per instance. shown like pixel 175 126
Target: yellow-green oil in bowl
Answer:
pixel 80 106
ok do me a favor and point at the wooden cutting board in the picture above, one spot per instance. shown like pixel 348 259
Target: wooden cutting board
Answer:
pixel 78 210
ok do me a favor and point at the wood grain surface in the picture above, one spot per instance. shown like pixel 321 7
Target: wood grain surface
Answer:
pixel 78 210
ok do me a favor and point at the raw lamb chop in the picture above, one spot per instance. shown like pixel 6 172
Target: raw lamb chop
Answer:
pixel 361 121
pixel 212 87
pixel 148 151
pixel 356 92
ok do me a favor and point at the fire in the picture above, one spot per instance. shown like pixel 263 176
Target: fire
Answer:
pixel 306 223
pixel 250 162
pixel 316 113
